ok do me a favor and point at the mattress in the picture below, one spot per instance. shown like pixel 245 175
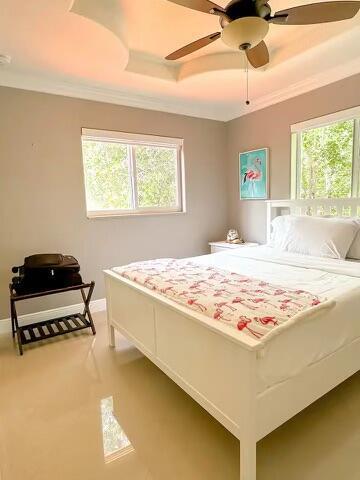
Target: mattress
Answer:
pixel 307 342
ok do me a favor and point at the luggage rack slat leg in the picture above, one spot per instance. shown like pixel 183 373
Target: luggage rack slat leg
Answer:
pixel 69 327
pixel 86 299
pixel 58 326
pixel 31 333
pixel 42 332
pixel 76 321
pixel 50 328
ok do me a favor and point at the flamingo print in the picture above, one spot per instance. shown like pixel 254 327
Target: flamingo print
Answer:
pixel 193 301
pixel 225 304
pixel 252 175
pixel 166 290
pixel 243 324
pixel 246 304
pixel 243 301
pixel 218 314
pixel 266 320
pixel 221 292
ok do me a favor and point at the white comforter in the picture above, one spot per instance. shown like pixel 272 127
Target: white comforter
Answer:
pixel 307 342
pixel 321 276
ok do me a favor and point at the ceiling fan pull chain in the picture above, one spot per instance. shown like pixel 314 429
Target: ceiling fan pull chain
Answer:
pixel 247 80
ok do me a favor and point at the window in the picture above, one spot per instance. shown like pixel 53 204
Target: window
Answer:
pixel 132 174
pixel 326 156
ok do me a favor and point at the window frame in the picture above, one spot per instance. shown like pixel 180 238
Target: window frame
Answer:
pixel 131 140
pixel 326 120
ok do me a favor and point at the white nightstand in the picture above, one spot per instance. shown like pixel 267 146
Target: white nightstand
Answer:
pixel 222 246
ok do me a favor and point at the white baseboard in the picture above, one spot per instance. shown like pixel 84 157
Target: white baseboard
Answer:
pixel 95 306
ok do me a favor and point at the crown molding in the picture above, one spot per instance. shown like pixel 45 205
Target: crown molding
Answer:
pixel 225 113
pixel 309 84
pixel 56 86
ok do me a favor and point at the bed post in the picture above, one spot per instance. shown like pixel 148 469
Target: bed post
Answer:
pixel 269 218
pixel 248 424
pixel 247 459
pixel 111 329
pixel 111 335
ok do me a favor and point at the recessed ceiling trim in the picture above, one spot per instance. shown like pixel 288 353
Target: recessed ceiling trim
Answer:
pixel 211 63
pixel 312 83
pixel 151 66
pixel 108 14
pixel 223 113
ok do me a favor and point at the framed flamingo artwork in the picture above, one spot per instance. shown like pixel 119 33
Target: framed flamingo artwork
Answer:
pixel 254 174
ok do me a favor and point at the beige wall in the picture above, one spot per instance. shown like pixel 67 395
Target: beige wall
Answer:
pixel 41 181
pixel 270 127
pixel 42 193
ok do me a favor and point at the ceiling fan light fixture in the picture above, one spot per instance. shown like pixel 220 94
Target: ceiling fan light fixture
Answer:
pixel 245 30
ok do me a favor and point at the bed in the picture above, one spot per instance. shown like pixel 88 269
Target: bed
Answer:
pixel 251 387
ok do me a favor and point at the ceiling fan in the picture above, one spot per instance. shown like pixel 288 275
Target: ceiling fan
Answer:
pixel 245 23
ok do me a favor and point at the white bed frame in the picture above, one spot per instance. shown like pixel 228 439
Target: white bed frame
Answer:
pixel 217 368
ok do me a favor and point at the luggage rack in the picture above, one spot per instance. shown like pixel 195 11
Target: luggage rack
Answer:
pixel 35 332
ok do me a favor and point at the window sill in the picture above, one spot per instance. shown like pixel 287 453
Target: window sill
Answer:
pixel 92 216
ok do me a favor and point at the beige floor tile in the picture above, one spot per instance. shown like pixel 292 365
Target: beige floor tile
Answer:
pixel 56 407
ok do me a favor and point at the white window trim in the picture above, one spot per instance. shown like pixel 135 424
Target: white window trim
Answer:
pixel 133 139
pixel 340 116
pixel 298 128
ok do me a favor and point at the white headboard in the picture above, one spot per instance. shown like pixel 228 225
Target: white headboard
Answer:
pixel 337 207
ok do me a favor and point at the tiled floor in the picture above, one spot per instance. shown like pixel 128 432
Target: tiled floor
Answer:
pixel 56 422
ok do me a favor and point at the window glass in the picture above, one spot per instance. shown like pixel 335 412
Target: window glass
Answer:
pixel 107 175
pixel 327 161
pixel 156 173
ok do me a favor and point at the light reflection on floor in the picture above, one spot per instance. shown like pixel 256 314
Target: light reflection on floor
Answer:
pixel 116 443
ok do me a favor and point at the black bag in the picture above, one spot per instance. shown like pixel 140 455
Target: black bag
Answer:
pixel 46 272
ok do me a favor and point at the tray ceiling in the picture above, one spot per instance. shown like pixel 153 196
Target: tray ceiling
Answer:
pixel 114 51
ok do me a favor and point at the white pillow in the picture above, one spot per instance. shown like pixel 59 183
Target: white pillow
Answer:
pixel 354 251
pixel 315 236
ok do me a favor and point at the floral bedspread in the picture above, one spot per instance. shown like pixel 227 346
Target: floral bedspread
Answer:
pixel 247 304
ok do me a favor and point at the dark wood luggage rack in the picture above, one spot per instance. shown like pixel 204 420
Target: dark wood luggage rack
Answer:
pixel 56 326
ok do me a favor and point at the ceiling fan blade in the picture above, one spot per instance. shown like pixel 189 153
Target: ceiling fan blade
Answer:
pixel 192 47
pixel 316 13
pixel 259 55
pixel 202 5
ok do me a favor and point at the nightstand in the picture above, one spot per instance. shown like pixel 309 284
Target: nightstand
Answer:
pixel 222 246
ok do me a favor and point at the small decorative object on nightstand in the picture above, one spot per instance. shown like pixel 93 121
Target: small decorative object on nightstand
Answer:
pixel 223 245
pixel 234 237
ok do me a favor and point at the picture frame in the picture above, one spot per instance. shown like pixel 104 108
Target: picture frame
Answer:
pixel 254 174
